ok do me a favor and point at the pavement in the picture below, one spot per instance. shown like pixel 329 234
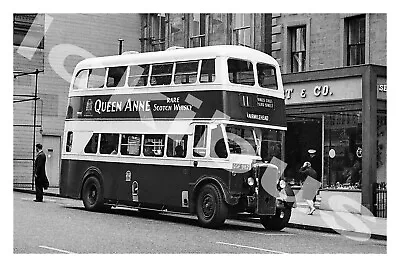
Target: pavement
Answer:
pixel 353 225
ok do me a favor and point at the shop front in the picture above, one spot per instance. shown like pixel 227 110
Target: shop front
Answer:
pixel 339 115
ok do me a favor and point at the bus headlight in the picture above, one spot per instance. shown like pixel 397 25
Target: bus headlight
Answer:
pixel 250 181
pixel 282 184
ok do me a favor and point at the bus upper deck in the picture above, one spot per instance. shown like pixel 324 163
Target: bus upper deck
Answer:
pixel 213 67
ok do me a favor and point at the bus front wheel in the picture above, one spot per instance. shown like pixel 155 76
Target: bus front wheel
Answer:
pixel 278 221
pixel 92 194
pixel 210 207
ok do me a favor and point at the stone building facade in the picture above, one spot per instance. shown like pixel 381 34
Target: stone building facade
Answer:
pixel 68 38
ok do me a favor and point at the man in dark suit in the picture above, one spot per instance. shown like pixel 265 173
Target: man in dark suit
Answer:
pixel 40 173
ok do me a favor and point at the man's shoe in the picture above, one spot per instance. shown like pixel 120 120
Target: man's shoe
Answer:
pixel 38 200
pixel 311 211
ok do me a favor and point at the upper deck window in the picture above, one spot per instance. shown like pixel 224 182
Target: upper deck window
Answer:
pixel 116 76
pixel 266 76
pixel 161 74
pixel 241 72
pixel 96 78
pixel 81 79
pixel 138 75
pixel 207 72
pixel 186 72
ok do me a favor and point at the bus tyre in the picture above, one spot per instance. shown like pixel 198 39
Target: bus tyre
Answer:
pixel 278 221
pixel 210 207
pixel 92 194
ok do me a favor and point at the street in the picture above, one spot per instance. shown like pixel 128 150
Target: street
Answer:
pixel 60 225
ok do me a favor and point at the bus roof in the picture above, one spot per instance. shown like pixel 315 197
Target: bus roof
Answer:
pixel 179 54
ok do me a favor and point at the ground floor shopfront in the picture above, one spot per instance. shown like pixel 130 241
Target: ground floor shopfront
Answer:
pixel 341 113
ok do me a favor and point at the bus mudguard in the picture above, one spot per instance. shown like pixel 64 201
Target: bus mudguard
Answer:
pixel 231 200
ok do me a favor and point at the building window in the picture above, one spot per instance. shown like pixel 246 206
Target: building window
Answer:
pixel 28 30
pixel 298 49
pixel 242 30
pixel 157 38
pixel 177 37
pixel 198 30
pixel 355 40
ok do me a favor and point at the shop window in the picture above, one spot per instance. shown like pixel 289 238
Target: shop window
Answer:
pixel 298 49
pixel 96 78
pixel 186 72
pixel 153 145
pixel 266 76
pixel 130 144
pixel 116 76
pixel 68 147
pixel 80 81
pixel 109 144
pixel 217 146
pixel 381 149
pixel 207 72
pixel 177 146
pixel 342 150
pixel 91 146
pixel 241 72
pixel 138 75
pixel 198 30
pixel 355 40
pixel 200 141
pixel 161 74
pixel 242 30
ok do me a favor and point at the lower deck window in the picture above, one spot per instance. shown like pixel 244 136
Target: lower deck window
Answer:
pixel 109 144
pixel 153 145
pixel 177 146
pixel 130 144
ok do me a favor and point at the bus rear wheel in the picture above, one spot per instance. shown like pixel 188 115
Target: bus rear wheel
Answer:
pixel 278 221
pixel 92 194
pixel 210 207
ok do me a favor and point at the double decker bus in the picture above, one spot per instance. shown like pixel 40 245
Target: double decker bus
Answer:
pixel 190 130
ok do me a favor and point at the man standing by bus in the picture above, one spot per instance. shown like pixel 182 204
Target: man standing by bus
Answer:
pixel 40 173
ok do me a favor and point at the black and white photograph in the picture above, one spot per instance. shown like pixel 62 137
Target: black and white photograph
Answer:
pixel 199 133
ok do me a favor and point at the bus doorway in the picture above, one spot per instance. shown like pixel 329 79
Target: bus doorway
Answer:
pixel 303 134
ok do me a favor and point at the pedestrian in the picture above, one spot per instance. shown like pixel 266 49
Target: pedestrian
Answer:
pixel 314 160
pixel 310 185
pixel 41 181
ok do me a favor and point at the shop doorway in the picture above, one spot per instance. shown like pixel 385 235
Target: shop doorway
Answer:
pixel 303 133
